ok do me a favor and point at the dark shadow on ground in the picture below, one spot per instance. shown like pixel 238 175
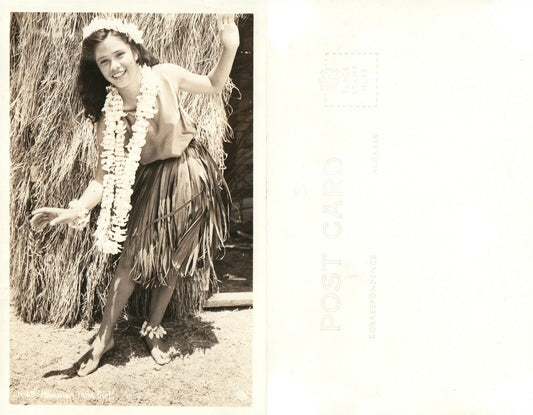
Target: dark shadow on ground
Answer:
pixel 185 337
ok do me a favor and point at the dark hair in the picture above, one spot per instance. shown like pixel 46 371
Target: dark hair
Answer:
pixel 90 83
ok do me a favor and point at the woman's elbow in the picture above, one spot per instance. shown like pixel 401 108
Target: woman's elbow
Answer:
pixel 216 86
pixel 213 90
pixel 216 90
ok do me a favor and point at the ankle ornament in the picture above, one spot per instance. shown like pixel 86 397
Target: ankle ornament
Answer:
pixel 158 331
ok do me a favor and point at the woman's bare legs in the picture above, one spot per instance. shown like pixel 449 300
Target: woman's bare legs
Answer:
pixel 120 290
pixel 161 296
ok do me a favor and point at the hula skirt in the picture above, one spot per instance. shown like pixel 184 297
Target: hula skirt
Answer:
pixel 179 218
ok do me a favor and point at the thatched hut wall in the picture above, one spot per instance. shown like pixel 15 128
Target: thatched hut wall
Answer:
pixel 57 276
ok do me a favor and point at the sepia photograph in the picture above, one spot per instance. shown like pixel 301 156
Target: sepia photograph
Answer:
pixel 131 209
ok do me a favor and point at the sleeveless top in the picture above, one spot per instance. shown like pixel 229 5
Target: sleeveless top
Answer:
pixel 170 131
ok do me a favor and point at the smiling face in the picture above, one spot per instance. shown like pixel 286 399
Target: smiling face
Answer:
pixel 117 62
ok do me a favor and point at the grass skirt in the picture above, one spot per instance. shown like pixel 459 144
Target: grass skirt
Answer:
pixel 179 218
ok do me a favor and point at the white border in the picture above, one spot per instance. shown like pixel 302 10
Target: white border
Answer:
pixel 259 261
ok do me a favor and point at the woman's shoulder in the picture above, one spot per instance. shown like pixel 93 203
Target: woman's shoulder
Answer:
pixel 171 72
pixel 168 69
pixel 99 128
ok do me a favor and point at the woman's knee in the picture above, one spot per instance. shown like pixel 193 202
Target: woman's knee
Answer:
pixel 124 267
pixel 125 262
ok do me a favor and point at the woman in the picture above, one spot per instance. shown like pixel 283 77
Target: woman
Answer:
pixel 162 198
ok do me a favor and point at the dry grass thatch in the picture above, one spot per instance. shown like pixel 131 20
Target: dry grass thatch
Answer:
pixel 56 275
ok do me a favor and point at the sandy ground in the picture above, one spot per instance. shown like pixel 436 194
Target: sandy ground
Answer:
pixel 213 366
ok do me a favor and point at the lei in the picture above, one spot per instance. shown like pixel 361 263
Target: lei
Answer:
pixel 121 164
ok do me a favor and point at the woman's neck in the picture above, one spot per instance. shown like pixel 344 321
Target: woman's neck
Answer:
pixel 130 92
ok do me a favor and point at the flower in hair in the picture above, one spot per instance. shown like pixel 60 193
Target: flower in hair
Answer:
pixel 117 25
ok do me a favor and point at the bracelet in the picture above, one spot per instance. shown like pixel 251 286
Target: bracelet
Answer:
pixel 83 215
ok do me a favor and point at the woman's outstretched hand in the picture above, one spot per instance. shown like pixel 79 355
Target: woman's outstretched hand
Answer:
pixel 228 31
pixel 52 216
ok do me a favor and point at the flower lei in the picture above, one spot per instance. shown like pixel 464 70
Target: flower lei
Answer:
pixel 122 165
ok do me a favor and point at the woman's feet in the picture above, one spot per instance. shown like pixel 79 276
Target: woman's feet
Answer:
pixel 90 360
pixel 158 349
pixel 153 338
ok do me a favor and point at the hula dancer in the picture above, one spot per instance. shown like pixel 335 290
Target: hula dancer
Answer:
pixel 163 199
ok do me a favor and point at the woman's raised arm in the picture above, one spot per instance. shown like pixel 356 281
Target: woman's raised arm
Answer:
pixel 214 82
